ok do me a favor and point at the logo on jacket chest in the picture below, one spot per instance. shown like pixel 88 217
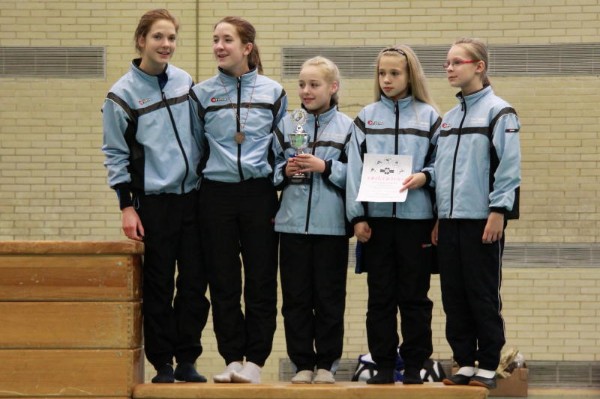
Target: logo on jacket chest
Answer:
pixel 143 101
pixel 374 123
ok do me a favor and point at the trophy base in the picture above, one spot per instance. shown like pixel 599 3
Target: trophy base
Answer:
pixel 300 178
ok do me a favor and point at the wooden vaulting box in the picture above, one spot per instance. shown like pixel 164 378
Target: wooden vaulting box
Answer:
pixel 70 320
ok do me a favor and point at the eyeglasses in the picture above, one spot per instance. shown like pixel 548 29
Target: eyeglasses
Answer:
pixel 456 63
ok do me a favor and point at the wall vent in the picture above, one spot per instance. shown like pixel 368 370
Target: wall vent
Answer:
pixel 53 62
pixel 531 255
pixel 567 59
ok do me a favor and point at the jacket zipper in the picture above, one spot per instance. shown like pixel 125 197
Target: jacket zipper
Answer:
pixel 396 129
pixel 310 187
pixel 463 104
pixel 187 165
pixel 238 126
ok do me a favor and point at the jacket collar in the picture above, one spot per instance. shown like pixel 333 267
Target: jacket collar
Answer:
pixel 474 97
pixel 247 78
pixel 402 103
pixel 325 117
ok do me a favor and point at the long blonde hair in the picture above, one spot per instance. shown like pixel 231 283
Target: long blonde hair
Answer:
pixel 417 83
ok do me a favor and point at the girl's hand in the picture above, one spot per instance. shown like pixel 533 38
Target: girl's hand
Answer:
pixel 309 163
pixel 362 231
pixel 493 228
pixel 416 180
pixel 434 233
pixel 131 223
pixel 291 168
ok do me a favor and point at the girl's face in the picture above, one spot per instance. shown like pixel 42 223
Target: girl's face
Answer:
pixel 158 46
pixel 314 91
pixel 462 71
pixel 393 76
pixel 230 52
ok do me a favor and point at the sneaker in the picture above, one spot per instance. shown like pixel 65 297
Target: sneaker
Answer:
pixel 225 376
pixel 250 373
pixel 412 376
pixel 164 375
pixel 383 376
pixel 478 381
pixel 187 372
pixel 457 379
pixel 303 377
pixel 324 377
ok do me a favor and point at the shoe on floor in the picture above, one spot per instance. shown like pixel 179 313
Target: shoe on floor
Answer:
pixel 303 377
pixel 324 376
pixel 225 376
pixel 187 372
pixel 412 376
pixel 164 375
pixel 478 381
pixel 250 373
pixel 382 377
pixel 457 379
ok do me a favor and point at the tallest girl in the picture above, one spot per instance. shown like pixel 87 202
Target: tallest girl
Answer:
pixel 235 113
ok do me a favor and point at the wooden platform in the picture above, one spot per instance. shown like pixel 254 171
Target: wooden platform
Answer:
pixel 70 319
pixel 285 390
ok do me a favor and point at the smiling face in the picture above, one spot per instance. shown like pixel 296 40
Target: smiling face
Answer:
pixel 393 76
pixel 157 46
pixel 463 71
pixel 231 54
pixel 314 91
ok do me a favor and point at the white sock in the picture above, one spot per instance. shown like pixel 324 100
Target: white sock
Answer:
pixel 225 376
pixel 486 373
pixel 249 374
pixel 466 371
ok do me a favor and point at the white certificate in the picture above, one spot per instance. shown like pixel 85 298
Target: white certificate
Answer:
pixel 382 178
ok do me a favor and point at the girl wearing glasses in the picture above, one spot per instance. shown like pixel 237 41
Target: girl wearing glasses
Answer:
pixel 476 178
pixel 395 237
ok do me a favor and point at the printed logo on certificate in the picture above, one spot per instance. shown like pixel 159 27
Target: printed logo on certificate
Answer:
pixel 382 178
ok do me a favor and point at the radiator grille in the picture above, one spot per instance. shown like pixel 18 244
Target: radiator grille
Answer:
pixel 566 59
pixel 52 62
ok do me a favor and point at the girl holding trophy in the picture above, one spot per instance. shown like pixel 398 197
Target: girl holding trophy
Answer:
pixel 234 114
pixel 311 220
pixel 395 236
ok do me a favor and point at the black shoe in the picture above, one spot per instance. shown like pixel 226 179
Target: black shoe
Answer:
pixel 477 381
pixel 457 379
pixel 382 377
pixel 164 375
pixel 412 376
pixel 186 372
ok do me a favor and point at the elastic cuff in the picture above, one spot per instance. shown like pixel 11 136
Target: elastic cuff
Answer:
pixel 358 219
pixel 327 172
pixel 124 195
pixel 427 178
pixel 498 210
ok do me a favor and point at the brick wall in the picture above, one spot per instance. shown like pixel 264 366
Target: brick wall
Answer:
pixel 53 184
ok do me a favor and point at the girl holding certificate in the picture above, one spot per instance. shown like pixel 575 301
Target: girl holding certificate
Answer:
pixel 395 236
pixel 476 177
pixel 312 223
